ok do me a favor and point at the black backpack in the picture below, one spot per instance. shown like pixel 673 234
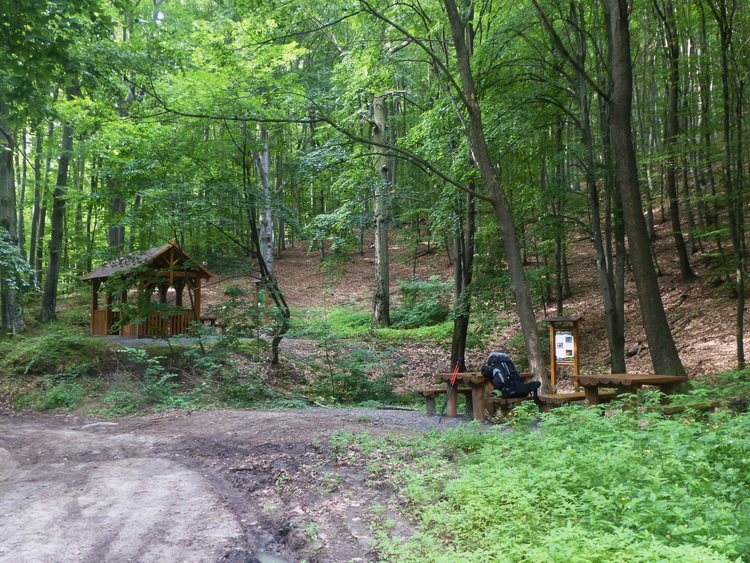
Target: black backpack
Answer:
pixel 503 373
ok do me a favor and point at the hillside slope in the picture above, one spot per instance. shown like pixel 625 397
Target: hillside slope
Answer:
pixel 701 313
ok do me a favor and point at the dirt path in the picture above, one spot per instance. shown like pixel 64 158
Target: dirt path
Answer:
pixel 203 486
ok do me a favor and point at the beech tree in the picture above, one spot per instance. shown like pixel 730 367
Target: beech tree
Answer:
pixel 203 122
pixel 662 347
pixel 11 313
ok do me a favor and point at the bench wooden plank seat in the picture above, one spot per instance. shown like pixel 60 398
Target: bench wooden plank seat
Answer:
pixel 557 399
pixel 704 406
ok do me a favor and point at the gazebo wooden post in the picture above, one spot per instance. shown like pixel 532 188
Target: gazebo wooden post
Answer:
pixel 179 288
pixel 197 299
pixel 94 302
pixel 163 291
pixel 109 316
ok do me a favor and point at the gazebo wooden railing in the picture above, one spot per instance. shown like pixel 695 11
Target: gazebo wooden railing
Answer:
pixel 157 326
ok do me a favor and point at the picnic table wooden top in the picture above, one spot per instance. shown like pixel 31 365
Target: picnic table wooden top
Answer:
pixel 629 379
pixel 462 376
pixel 469 376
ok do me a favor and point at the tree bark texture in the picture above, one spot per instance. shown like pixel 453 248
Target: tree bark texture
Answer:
pixel 116 233
pixel 263 163
pixel 463 250
pixel 11 315
pixel 662 348
pixel 672 131
pixel 724 11
pixel 605 266
pixel 57 220
pixel 381 299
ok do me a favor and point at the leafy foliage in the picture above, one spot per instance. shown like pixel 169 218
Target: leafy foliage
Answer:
pixel 354 375
pixel 62 350
pixel 15 272
pixel 423 303
pixel 629 486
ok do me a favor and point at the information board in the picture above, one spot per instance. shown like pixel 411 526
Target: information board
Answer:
pixel 564 346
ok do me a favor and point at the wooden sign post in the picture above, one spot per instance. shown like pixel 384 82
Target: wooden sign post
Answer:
pixel 563 342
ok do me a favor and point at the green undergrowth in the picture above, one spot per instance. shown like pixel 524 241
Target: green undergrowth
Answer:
pixel 572 485
pixel 62 368
pixel 348 324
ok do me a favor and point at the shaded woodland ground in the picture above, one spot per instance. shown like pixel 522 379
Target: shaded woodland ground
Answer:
pixel 263 485
pixel 702 313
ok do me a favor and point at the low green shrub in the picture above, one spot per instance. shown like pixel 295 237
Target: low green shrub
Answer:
pixel 436 333
pixel 578 486
pixel 728 385
pixel 67 395
pixel 354 375
pixel 59 350
pixel 423 303
pixel 243 391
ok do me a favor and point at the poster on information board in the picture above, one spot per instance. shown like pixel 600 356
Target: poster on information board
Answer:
pixel 564 346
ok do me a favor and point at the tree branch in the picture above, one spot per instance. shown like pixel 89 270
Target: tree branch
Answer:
pixel 564 52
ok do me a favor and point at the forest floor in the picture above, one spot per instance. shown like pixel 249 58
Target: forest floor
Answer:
pixel 702 313
pixel 245 486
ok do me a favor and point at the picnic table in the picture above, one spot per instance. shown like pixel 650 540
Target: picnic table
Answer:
pixel 627 381
pixel 478 397
pixel 475 400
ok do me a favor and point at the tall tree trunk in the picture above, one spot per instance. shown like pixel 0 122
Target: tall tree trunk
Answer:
pixel 724 15
pixel 605 265
pixel 739 229
pixel 280 221
pixel 22 198
pixel 116 232
pixel 57 221
pixel 381 299
pixel 662 347
pixel 499 200
pixel 11 313
pixel 263 163
pixel 37 197
pixel 463 244
pixel 672 131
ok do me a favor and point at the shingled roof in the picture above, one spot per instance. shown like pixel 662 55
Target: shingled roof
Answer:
pixel 156 257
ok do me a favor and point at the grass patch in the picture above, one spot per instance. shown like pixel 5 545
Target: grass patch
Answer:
pixel 348 324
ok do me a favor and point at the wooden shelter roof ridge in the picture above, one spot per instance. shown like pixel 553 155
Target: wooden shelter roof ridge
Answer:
pixel 134 260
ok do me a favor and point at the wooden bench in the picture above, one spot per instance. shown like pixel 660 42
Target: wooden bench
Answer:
pixel 703 406
pixel 431 394
pixel 548 401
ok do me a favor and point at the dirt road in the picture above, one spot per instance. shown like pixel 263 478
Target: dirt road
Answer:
pixel 180 486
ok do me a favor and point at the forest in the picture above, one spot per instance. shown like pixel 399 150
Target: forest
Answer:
pixel 504 135
pixel 236 128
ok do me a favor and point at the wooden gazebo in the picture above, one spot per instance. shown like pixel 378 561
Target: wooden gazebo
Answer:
pixel 162 273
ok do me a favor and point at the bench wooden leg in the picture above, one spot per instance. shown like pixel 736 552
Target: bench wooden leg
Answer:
pixel 505 408
pixel 430 405
pixel 477 403
pixel 470 414
pixel 453 405
pixel 491 408
pixel 592 395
